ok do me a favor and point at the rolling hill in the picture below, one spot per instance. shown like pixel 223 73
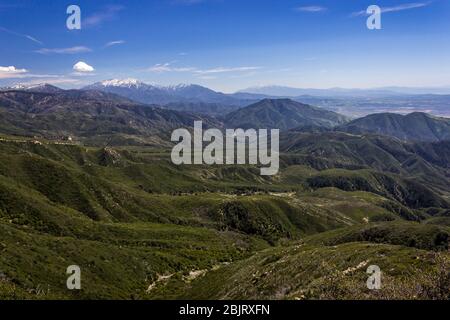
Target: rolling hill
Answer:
pixel 379 164
pixel 283 114
pixel 414 126
pixel 211 109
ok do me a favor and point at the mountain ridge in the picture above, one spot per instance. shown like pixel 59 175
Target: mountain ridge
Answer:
pixel 413 126
pixel 283 114
pixel 89 115
pixel 154 94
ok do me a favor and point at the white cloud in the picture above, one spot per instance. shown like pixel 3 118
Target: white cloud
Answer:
pixel 310 9
pixel 12 69
pixel 113 43
pixel 402 7
pixel 71 50
pixel 83 67
pixel 11 72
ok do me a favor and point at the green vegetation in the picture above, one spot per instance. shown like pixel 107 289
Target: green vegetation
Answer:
pixel 86 179
pixel 283 114
pixel 141 228
pixel 305 271
pixel 414 126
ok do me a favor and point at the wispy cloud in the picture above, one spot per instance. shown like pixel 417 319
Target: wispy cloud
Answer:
pixel 167 67
pixel 207 77
pixel 401 7
pixel 310 9
pixel 242 75
pixel 12 72
pixel 114 43
pixel 108 14
pixel 71 50
pixel 223 70
pixel 27 36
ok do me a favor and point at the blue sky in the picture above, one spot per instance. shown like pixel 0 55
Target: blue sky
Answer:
pixel 227 44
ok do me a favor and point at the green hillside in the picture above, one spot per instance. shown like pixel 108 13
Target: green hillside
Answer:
pixel 86 179
pixel 414 126
pixel 283 114
pixel 143 228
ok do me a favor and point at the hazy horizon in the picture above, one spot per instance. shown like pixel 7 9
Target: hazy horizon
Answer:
pixel 253 89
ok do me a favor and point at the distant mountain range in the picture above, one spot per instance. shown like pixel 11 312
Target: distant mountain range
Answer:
pixel 152 94
pixel 107 109
pixel 284 91
pixel 40 87
pixel 350 102
pixel 195 98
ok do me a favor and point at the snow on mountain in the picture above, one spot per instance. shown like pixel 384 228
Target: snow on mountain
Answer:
pixel 128 83
pixel 36 87
pixel 134 83
pixel 155 94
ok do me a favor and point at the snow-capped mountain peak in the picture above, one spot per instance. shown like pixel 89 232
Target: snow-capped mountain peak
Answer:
pixel 129 82
pixel 156 94
pixel 132 83
pixel 24 86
